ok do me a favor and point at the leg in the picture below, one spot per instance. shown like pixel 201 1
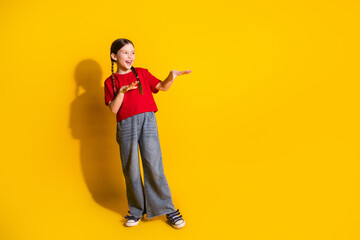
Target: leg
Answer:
pixel 128 142
pixel 157 192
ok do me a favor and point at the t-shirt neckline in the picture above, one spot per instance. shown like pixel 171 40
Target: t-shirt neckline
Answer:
pixel 123 73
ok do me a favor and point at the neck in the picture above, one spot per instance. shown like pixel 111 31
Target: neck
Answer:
pixel 121 70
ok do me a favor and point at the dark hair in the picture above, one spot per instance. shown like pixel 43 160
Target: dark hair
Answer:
pixel 115 47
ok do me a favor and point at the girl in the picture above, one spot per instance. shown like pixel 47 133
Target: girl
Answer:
pixel 137 127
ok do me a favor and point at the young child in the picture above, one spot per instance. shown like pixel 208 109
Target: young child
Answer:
pixel 128 93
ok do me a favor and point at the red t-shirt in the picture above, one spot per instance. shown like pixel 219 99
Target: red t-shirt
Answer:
pixel 133 102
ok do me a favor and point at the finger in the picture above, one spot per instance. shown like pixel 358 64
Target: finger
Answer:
pixel 184 72
pixel 134 83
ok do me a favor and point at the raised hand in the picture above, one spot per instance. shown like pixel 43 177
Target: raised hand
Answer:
pixel 129 87
pixel 176 73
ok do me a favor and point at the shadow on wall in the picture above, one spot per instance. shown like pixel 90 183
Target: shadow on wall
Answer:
pixel 94 125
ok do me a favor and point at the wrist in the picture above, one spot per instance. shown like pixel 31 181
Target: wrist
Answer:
pixel 172 75
pixel 122 90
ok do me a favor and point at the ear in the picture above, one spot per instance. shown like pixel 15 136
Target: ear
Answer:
pixel 113 56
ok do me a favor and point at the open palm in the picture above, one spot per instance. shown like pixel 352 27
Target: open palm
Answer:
pixel 129 87
pixel 179 73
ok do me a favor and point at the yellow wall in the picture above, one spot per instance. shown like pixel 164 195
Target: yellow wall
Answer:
pixel 260 141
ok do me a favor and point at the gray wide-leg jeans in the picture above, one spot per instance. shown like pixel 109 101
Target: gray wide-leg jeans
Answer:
pixel 154 197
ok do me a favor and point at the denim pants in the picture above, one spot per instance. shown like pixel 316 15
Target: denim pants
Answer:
pixel 154 196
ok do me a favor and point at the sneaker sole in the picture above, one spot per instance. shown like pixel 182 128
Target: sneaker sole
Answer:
pixel 180 225
pixel 132 224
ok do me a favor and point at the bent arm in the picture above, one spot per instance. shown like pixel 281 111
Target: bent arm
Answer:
pixel 117 102
pixel 166 84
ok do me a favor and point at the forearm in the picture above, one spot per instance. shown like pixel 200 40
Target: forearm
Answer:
pixel 166 84
pixel 117 102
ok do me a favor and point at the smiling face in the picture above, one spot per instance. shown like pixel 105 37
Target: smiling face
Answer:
pixel 125 57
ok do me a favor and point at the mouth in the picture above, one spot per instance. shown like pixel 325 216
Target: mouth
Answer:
pixel 128 62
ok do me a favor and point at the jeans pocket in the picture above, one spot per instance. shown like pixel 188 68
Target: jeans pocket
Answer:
pixel 125 130
pixel 152 116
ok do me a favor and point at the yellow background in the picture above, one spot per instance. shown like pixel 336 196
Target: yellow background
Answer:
pixel 260 141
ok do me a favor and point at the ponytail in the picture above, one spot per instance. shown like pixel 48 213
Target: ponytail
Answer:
pixel 112 77
pixel 137 77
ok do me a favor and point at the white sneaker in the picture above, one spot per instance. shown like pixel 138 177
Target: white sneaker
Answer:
pixel 176 221
pixel 132 220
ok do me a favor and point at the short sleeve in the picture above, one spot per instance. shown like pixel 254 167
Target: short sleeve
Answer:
pixel 153 81
pixel 109 92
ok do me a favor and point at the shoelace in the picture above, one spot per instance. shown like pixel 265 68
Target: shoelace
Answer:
pixel 131 217
pixel 173 216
